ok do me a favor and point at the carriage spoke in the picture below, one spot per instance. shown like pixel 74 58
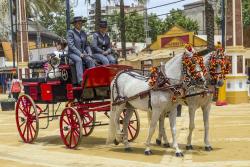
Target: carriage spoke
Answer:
pixel 33 128
pixel 29 108
pixel 28 133
pixel 70 139
pixel 90 118
pixel 130 132
pixel 75 118
pixel 132 127
pixel 22 124
pixel 65 122
pixel 31 133
pixel 23 105
pixel 74 139
pixel 24 113
pixel 67 116
pixel 85 130
pixel 24 131
pixel 76 132
pixel 67 135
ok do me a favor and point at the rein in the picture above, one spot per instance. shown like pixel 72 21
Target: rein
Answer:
pixel 157 81
pixel 199 93
pixel 160 82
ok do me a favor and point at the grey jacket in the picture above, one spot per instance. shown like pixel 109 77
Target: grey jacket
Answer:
pixel 77 43
pixel 101 43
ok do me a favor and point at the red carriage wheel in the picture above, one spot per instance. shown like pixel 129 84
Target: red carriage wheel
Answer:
pixel 134 125
pixel 27 118
pixel 88 120
pixel 70 127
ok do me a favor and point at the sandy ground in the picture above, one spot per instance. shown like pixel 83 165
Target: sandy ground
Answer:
pixel 229 136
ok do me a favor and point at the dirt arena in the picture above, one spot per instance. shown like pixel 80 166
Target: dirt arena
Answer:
pixel 229 136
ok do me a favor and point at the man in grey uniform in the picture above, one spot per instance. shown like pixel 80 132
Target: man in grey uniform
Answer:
pixel 79 50
pixel 101 45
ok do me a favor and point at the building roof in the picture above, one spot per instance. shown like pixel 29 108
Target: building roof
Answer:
pixel 160 54
pixel 193 4
pixel 176 37
pixel 33 28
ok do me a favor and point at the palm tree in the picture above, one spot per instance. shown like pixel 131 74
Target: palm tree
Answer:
pixel 3 15
pixel 209 12
pixel 122 26
pixel 98 12
pixel 42 7
pixel 122 29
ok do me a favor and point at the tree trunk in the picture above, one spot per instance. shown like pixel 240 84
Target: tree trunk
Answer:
pixel 122 28
pixel 209 12
pixel 98 14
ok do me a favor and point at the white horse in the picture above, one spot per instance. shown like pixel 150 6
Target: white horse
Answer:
pixel 195 102
pixel 126 85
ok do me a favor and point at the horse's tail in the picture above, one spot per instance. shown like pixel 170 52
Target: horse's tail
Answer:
pixel 112 125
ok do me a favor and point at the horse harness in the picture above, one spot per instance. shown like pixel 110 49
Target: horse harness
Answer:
pixel 161 83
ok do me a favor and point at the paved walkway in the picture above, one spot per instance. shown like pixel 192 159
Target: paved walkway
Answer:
pixel 229 136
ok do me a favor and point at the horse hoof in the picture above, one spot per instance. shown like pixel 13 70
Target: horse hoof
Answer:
pixel 189 147
pixel 128 149
pixel 166 145
pixel 149 152
pixel 116 142
pixel 158 142
pixel 208 148
pixel 179 154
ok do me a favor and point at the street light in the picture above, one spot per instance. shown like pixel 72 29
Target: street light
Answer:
pixel 68 14
pixel 12 33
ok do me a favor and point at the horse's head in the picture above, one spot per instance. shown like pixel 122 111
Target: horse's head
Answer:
pixel 218 67
pixel 194 69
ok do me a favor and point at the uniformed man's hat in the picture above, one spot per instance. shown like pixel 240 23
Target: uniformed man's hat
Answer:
pixel 78 18
pixel 103 24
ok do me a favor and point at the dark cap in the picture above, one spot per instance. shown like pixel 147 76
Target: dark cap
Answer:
pixel 103 24
pixel 78 18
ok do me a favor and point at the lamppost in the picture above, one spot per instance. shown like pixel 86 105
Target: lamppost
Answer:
pixel 68 14
pixel 12 33
pixel 223 23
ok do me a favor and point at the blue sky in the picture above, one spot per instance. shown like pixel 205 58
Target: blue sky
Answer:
pixel 81 8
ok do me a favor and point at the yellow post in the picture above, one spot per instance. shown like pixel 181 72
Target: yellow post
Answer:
pixel 222 96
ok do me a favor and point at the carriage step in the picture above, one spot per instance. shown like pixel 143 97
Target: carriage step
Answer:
pixel 98 123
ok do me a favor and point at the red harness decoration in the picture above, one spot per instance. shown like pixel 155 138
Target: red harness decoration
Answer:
pixel 153 76
pixel 219 59
pixel 190 64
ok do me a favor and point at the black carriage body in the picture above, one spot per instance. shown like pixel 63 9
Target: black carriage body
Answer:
pixel 48 91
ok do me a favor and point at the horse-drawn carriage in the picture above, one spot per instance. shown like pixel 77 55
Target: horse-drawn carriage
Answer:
pixel 43 95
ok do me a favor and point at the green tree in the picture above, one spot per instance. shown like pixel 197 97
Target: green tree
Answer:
pixel 134 27
pixel 176 17
pixel 122 25
pixel 37 8
pixel 246 12
pixel 56 22
pixel 135 24
pixel 156 26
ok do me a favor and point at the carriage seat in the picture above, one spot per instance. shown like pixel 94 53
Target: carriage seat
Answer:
pixel 39 80
pixel 36 64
